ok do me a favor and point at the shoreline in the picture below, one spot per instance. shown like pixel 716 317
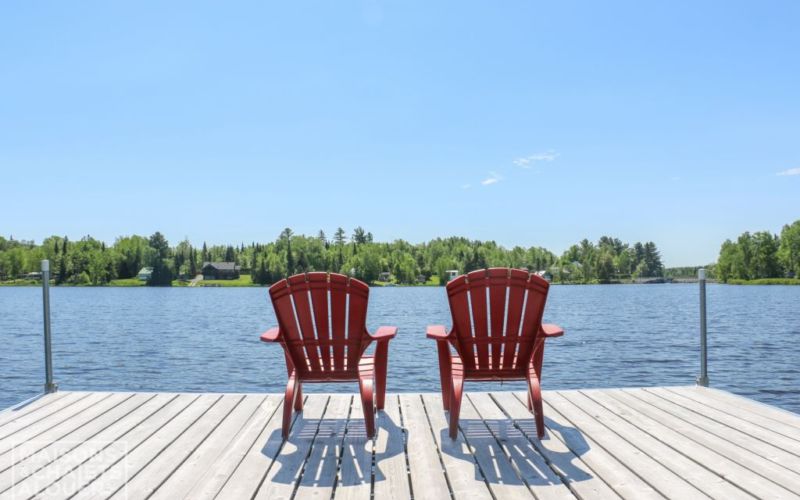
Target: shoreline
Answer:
pixel 217 284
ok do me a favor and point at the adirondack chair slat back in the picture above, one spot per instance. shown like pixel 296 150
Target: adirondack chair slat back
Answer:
pixel 496 316
pixel 322 319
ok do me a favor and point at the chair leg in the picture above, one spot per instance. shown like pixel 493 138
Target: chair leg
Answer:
pixel 381 366
pixel 298 398
pixel 366 389
pixel 456 393
pixel 288 402
pixel 535 387
pixel 535 397
pixel 444 372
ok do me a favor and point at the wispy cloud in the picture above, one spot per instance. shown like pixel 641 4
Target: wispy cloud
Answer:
pixel 791 171
pixel 529 161
pixel 466 186
pixel 493 178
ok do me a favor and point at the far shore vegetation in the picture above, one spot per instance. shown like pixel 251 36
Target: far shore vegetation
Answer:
pixel 758 258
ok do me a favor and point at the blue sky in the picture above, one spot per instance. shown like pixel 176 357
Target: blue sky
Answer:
pixel 530 123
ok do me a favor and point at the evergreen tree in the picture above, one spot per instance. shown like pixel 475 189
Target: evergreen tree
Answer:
pixel 162 274
pixel 289 257
pixel 62 269
pixel 359 236
pixel 192 262
pixel 339 236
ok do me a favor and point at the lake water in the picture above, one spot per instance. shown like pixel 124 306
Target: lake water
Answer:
pixel 206 339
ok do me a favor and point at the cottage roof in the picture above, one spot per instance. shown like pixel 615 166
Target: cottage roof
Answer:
pixel 221 266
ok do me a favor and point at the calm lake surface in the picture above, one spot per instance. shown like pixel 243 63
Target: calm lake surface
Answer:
pixel 206 339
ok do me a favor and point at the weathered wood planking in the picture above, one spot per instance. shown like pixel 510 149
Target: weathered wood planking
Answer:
pixel 675 442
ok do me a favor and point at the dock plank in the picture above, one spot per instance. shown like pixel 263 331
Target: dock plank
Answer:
pixel 780 466
pixel 528 464
pixel 680 436
pixel 355 472
pixel 569 466
pixel 34 439
pixel 117 477
pixel 650 470
pixel 22 429
pixel 248 442
pixel 391 479
pixel 463 471
pixel 280 469
pixel 427 475
pixel 732 404
pixel 610 467
pixel 27 411
pixel 732 422
pixel 494 464
pixel 319 472
pixel 89 449
pixel 709 483
pixel 144 482
pixel 181 481
pixel 73 433
pixel 748 405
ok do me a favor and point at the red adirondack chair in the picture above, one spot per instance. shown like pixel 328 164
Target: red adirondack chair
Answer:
pixel 322 328
pixel 497 335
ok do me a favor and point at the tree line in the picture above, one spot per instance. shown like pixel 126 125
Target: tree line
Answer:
pixel 761 255
pixel 91 262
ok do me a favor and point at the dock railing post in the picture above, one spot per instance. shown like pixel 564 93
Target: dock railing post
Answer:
pixel 703 378
pixel 49 385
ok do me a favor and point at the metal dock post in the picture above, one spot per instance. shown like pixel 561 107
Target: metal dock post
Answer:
pixel 703 378
pixel 49 385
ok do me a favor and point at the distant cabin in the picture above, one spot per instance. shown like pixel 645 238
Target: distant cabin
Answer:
pixel 385 276
pixel 145 273
pixel 220 271
pixel 452 274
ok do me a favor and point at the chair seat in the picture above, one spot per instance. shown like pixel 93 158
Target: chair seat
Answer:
pixel 487 374
pixel 366 368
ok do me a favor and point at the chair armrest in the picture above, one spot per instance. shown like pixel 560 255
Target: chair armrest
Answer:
pixel 271 335
pixel 384 333
pixel 551 330
pixel 437 332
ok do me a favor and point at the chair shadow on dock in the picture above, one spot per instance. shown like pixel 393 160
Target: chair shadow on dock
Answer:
pixel 481 443
pixel 319 450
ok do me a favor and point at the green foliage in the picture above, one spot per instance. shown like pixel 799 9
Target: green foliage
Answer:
pixel 690 272
pixel 765 281
pixel 760 256
pixel 90 262
pixel 162 272
pixel 789 249
pixel 609 260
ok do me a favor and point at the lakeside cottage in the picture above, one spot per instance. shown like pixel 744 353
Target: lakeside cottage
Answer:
pixel 145 273
pixel 220 271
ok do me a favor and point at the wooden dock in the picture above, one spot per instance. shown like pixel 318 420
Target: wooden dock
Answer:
pixel 674 442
